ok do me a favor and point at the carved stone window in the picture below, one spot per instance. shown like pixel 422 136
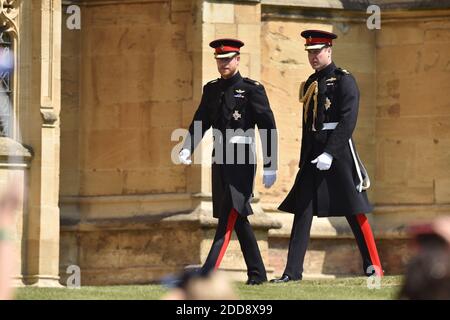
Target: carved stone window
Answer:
pixel 8 41
pixel 6 90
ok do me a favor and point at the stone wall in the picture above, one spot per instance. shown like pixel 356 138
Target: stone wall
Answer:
pixel 413 113
pixel 413 120
pixel 128 76
pixel 137 73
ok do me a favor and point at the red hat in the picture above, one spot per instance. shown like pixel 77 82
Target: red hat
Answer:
pixel 226 48
pixel 317 39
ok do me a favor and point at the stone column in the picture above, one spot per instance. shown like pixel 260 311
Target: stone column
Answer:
pixel 39 85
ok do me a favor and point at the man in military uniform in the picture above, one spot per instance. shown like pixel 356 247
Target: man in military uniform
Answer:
pixel 331 180
pixel 232 106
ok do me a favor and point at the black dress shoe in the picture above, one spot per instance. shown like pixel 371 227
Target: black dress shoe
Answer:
pixel 283 278
pixel 255 282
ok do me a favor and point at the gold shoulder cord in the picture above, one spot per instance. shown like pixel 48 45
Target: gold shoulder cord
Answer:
pixel 312 90
pixel 300 93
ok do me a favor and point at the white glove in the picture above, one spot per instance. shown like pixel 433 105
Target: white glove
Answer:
pixel 269 178
pixel 184 156
pixel 323 161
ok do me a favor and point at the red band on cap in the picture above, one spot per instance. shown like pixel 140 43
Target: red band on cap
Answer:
pixel 225 49
pixel 317 40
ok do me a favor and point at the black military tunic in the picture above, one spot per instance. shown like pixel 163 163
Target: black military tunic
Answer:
pixel 232 107
pixel 339 191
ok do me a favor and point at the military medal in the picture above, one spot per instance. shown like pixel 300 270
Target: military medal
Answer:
pixel 239 93
pixel 236 115
pixel 330 81
pixel 327 103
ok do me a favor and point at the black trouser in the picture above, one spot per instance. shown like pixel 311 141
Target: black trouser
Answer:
pixel 247 241
pixel 300 234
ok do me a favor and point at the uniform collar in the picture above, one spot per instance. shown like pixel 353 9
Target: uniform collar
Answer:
pixel 231 81
pixel 325 71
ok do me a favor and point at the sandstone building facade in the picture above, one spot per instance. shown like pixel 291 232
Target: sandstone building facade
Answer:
pixel 94 109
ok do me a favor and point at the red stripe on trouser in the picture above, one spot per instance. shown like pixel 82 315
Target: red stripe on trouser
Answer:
pixel 230 226
pixel 370 243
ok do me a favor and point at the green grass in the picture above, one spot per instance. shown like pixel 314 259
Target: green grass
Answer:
pixel 341 288
pixel 142 292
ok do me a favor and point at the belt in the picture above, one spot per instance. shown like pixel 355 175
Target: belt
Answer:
pixel 328 126
pixel 241 140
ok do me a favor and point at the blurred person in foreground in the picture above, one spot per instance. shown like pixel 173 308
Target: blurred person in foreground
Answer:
pixel 9 201
pixel 428 272
pixel 194 285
